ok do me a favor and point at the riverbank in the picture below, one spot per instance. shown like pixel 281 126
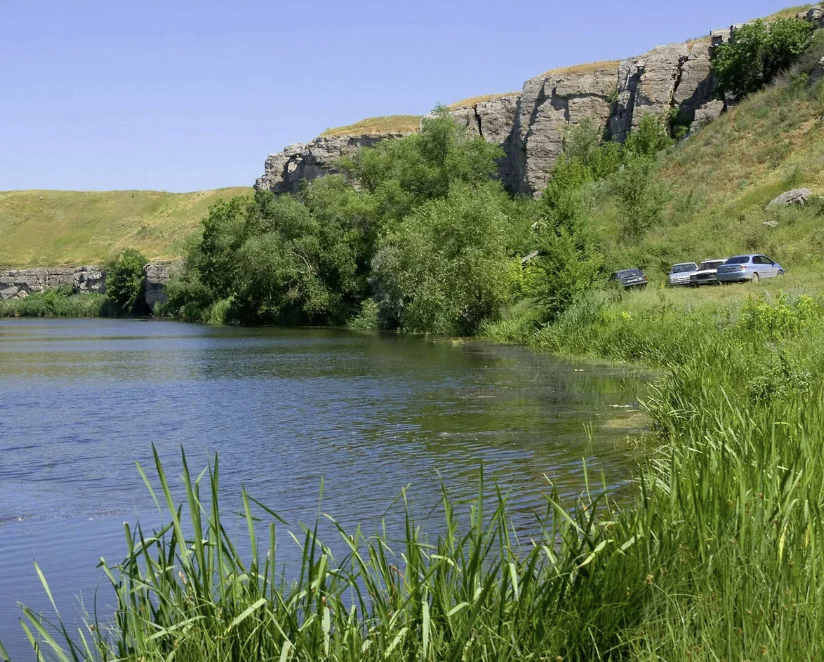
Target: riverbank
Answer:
pixel 718 558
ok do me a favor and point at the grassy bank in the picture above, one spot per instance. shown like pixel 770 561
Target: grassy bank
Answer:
pixel 86 227
pixel 58 303
pixel 719 557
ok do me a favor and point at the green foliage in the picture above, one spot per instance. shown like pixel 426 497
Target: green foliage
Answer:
pixel 446 268
pixel 641 195
pixel 757 53
pixel 57 302
pixel 367 318
pixel 649 138
pixel 125 281
pixel 308 259
pixel 404 174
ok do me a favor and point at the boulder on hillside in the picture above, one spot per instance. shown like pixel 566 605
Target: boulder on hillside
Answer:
pixel 817 73
pixel 798 196
pixel 707 113
pixel 814 14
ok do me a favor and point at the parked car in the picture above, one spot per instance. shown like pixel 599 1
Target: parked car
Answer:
pixel 629 278
pixel 707 272
pixel 748 267
pixel 680 273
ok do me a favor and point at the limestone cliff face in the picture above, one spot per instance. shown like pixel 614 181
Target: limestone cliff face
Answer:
pixel 550 103
pixel 493 120
pixel 20 283
pixel 675 80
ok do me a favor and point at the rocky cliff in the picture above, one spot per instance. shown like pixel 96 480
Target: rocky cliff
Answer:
pixel 673 80
pixel 20 283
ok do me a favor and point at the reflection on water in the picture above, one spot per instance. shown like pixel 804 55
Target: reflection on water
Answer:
pixel 83 400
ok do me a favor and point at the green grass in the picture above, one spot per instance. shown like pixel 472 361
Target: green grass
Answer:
pixel 58 303
pixel 721 180
pixel 86 227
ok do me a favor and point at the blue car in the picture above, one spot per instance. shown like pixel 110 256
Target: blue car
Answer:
pixel 748 267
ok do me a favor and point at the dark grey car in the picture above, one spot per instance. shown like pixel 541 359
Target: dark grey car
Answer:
pixel 629 278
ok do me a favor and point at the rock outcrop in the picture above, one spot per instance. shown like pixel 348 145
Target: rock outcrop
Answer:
pixel 156 275
pixel 549 104
pixel 798 196
pixel 20 283
pixel 284 171
pixel 673 81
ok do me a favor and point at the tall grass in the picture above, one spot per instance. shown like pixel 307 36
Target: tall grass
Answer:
pixel 57 303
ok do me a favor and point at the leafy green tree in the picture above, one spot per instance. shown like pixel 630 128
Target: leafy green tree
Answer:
pixel 446 268
pixel 757 52
pixel 641 195
pixel 406 173
pixel 125 280
pixel 649 138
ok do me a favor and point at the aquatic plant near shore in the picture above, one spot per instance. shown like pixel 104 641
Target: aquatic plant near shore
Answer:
pixel 184 591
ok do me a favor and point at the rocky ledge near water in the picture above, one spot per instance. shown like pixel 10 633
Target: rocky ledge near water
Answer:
pixel 20 283
pixel 674 79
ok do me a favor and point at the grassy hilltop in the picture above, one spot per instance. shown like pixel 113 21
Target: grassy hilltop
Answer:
pixel 79 227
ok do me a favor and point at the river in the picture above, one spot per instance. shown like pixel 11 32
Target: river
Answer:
pixel 367 414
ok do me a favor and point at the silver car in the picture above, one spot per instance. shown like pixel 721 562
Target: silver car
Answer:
pixel 751 267
pixel 707 272
pixel 680 273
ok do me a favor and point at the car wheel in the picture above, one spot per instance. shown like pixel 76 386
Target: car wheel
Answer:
pixel 754 278
pixel 780 272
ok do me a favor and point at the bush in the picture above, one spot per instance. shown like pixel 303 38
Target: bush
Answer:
pixel 757 53
pixel 446 267
pixel 125 281
pixel 641 195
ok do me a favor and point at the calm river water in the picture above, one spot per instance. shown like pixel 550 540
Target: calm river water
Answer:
pixel 83 400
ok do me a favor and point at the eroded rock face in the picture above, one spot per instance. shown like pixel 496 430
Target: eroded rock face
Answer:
pixel 284 171
pixel 156 275
pixel 673 80
pixel 20 283
pixel 494 120
pixel 549 103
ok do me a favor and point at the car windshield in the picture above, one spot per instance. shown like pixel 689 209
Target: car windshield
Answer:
pixel 738 259
pixel 711 264
pixel 625 273
pixel 681 268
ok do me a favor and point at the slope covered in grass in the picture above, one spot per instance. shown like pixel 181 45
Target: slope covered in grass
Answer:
pixel 79 227
pixel 721 179
pixel 376 125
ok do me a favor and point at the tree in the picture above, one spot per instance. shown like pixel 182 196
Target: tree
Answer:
pixel 649 138
pixel 446 267
pixel 125 280
pixel 641 197
pixel 757 52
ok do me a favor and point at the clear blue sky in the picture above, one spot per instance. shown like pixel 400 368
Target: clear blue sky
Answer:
pixel 183 96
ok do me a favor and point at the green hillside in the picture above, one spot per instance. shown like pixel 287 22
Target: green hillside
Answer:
pixel 720 181
pixel 80 227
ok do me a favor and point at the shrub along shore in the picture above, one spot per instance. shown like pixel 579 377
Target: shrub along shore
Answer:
pixel 719 557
